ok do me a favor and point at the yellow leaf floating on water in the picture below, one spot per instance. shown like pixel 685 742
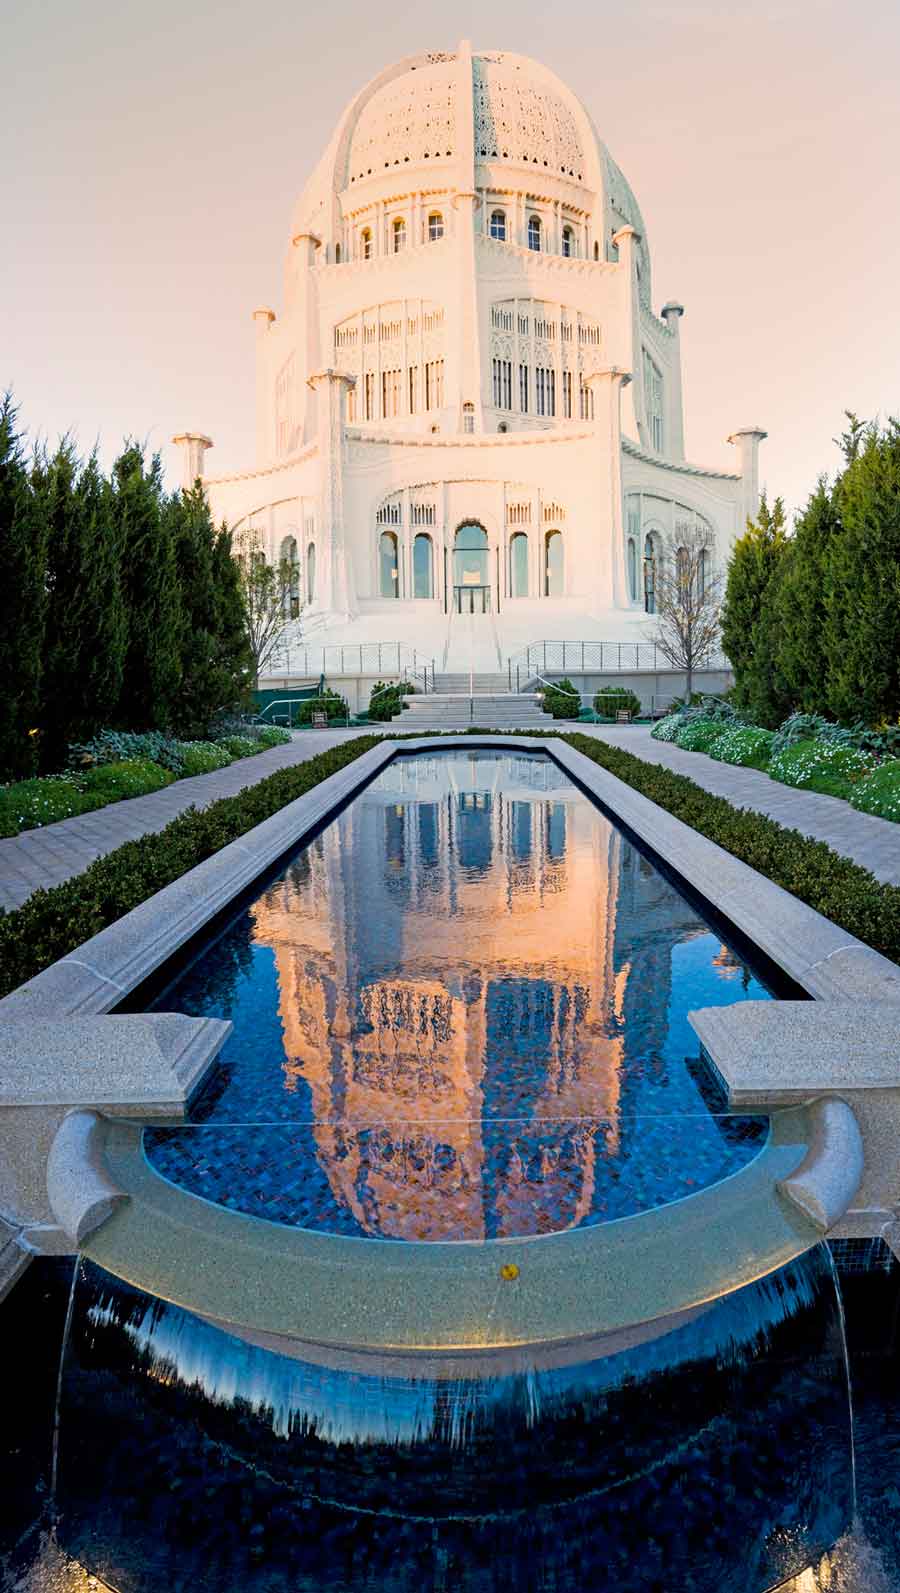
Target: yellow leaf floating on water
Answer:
pixel 509 1271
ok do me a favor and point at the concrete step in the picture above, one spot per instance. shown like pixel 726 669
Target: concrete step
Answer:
pixel 481 683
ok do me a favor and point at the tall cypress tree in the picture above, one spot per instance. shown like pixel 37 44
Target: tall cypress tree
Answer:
pixel 749 630
pixel 862 596
pixel 151 677
pixel 800 614
pixel 85 631
pixel 215 659
pixel 23 541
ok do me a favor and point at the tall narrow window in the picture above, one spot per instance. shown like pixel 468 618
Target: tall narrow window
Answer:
pixel 389 569
pixel 653 401
pixel 369 388
pixel 649 576
pixel 351 404
pixel 596 251
pixel 523 389
pixel 390 394
pixel 632 569
pixel 423 567
pixel 534 233
pixel 399 234
pixel 290 561
pixel 498 225
pixel 567 394
pixel 587 402
pixel 435 226
pixel 311 573
pixel 545 390
pixel 468 417
pixel 366 243
pixel 702 571
pixel 553 564
pixel 434 384
pixel 518 565
pixel 502 374
pixel 413 379
pixel 568 242
pixel 337 254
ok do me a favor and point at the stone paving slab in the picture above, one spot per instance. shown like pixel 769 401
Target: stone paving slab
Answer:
pixel 39 859
pixel 873 843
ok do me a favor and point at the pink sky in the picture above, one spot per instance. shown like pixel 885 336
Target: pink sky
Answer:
pixel 153 155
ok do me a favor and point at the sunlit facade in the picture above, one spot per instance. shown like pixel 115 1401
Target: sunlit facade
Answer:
pixel 468 404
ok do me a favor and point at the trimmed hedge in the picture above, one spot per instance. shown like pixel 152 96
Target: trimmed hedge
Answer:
pixel 610 700
pixel 52 923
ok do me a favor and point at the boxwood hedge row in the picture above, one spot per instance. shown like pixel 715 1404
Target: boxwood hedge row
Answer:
pixel 52 923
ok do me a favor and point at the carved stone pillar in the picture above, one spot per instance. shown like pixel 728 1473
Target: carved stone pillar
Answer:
pixel 333 575
pixel 747 441
pixel 193 445
pixel 606 386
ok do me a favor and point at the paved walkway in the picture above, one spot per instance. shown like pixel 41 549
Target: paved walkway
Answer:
pixel 873 843
pixel 47 857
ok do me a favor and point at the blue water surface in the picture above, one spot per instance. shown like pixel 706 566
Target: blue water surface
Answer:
pixel 459 1013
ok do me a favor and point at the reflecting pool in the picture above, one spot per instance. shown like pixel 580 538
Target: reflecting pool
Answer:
pixel 461 1013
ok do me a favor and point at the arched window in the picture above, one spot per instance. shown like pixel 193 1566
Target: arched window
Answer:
pixel 498 225
pixel 290 581
pixel 471 569
pixel 596 251
pixel 632 569
pixel 518 565
pixel 649 575
pixel 337 254
pixel 388 566
pixel 423 567
pixel 553 564
pixel 682 567
pixel 468 417
pixel 568 242
pixel 534 233
pixel 311 573
pixel 399 234
pixel 435 226
pixel 365 240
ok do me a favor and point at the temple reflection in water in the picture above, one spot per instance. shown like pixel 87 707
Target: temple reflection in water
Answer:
pixel 466 962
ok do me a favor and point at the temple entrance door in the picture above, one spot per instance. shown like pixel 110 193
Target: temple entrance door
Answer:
pixel 471 569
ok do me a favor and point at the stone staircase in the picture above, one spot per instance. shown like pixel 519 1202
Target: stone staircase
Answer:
pixel 483 685
pixel 489 710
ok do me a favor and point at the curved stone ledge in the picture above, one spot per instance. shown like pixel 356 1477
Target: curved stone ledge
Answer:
pixel 831 1171
pixel 82 1194
pixel 444 1299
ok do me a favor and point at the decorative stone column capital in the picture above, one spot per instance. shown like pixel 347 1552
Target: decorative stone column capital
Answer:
pixel 671 313
pixel 193 445
pixel 609 373
pixel 626 235
pixel 329 374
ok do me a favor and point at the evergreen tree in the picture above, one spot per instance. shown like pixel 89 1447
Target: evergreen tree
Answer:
pixel 215 658
pixel 85 626
pixel 801 651
pixel 151 678
pixel 23 542
pixel 862 596
pixel 749 626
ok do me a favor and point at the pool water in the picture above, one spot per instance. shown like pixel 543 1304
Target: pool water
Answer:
pixel 461 1013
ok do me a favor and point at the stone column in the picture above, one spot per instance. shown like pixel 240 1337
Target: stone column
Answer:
pixel 265 443
pixel 747 441
pixel 634 411
pixel 468 339
pixel 607 386
pixel 307 254
pixel 671 313
pixel 193 445
pixel 333 573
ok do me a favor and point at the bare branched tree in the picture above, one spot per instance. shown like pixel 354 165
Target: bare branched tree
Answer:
pixel 688 600
pixel 271 596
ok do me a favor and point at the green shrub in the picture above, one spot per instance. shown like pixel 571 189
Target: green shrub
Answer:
pixel 562 700
pixel 239 746
pixel 272 736
pixel 385 701
pixel 126 746
pixel 746 745
pixel 698 735
pixel 824 766
pixel 52 923
pixel 202 757
pixel 30 804
pixel 610 700
pixel 668 728
pixel 130 778
pixel 328 702
pixel 879 793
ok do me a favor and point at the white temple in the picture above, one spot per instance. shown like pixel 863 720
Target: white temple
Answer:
pixel 469 429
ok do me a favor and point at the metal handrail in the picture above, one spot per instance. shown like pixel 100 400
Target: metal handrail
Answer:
pixel 600 657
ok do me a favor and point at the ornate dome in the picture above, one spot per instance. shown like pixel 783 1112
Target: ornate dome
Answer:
pixel 412 118
pixel 518 117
